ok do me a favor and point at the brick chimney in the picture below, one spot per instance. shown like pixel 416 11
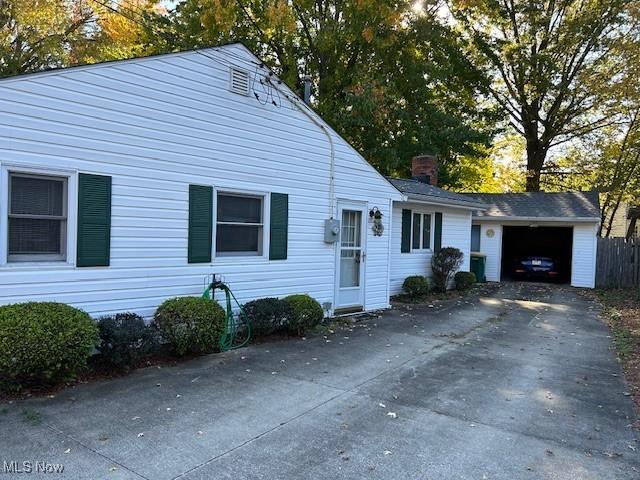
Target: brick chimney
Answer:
pixel 424 168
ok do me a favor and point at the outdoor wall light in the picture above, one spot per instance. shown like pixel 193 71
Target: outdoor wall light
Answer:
pixel 375 216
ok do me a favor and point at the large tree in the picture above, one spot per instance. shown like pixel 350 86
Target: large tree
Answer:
pixel 39 34
pixel 42 34
pixel 608 159
pixel 394 82
pixel 546 58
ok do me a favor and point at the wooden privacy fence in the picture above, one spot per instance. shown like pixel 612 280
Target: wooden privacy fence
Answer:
pixel 618 263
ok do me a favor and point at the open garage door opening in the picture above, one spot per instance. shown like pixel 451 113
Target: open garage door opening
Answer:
pixel 537 253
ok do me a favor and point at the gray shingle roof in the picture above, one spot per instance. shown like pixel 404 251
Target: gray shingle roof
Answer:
pixel 421 191
pixel 539 204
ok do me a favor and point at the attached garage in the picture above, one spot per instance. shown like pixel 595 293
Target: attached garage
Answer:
pixel 559 227
pixel 525 241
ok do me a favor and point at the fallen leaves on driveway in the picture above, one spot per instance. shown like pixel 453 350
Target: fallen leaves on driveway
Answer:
pixel 622 314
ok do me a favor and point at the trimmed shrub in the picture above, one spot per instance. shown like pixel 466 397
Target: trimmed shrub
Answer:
pixel 191 324
pixel 443 265
pixel 464 280
pixel 416 286
pixel 125 339
pixel 306 313
pixel 267 315
pixel 43 342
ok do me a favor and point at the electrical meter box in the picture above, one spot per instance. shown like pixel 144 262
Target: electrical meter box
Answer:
pixel 331 230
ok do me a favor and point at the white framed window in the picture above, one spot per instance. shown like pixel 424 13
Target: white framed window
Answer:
pixel 38 209
pixel 421 231
pixel 240 219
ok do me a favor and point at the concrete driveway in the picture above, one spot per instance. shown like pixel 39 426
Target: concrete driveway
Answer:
pixel 518 384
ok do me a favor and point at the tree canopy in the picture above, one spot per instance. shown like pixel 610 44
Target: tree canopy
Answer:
pixel 42 34
pixel 395 82
pixel 509 94
pixel 545 57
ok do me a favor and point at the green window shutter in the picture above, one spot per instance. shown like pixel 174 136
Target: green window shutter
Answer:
pixel 200 223
pixel 279 228
pixel 405 243
pixel 94 220
pixel 437 235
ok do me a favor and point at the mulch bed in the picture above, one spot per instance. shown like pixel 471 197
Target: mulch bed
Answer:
pixel 96 370
pixel 622 313
pixel 438 297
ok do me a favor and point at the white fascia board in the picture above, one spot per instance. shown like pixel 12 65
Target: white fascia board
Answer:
pixel 443 204
pixel 537 219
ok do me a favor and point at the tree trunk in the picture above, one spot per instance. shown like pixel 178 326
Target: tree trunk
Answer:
pixel 536 154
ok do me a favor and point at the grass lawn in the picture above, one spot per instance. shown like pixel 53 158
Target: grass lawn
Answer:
pixel 622 310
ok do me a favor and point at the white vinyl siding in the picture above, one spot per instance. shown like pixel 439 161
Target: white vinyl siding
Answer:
pixel 456 232
pixel 491 246
pixel 157 125
pixel 583 259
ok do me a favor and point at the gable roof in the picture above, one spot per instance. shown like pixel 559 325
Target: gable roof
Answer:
pixel 237 55
pixel 424 192
pixel 583 206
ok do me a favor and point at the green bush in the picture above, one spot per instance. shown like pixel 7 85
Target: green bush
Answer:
pixel 464 280
pixel 43 342
pixel 415 286
pixel 268 315
pixel 443 265
pixel 191 324
pixel 306 313
pixel 125 339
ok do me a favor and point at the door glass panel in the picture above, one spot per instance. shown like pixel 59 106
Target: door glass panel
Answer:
pixel 350 248
pixel 351 220
pixel 349 269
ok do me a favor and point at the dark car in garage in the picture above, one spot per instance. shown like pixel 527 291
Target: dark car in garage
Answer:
pixel 536 267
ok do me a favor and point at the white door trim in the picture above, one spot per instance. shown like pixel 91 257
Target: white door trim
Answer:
pixel 359 301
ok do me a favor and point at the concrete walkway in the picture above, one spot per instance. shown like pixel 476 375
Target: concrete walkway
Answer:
pixel 521 384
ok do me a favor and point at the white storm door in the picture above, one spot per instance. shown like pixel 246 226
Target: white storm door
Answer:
pixel 351 256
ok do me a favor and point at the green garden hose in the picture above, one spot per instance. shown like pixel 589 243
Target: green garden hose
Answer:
pixel 237 332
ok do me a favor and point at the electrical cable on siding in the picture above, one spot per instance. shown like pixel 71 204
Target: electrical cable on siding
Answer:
pixel 332 158
pixel 304 109
pixel 268 93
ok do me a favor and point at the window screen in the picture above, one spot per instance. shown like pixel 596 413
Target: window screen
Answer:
pixel 415 240
pixel 37 217
pixel 475 238
pixel 426 231
pixel 239 229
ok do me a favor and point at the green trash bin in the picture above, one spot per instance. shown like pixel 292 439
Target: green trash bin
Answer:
pixel 478 263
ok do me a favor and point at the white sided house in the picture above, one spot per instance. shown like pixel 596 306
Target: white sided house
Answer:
pixel 427 219
pixel 562 226
pixel 126 183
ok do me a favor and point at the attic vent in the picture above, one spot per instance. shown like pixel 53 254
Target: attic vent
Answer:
pixel 239 82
